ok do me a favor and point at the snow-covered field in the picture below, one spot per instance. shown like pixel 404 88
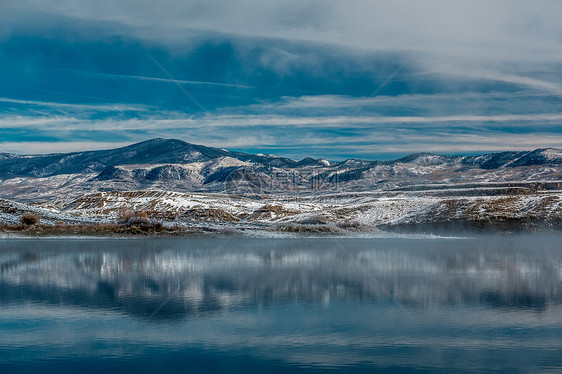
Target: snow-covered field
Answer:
pixel 364 209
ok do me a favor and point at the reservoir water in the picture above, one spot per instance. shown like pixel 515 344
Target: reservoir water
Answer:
pixel 407 305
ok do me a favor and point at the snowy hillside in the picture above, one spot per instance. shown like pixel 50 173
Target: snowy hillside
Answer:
pixel 174 165
pixel 179 182
pixel 366 211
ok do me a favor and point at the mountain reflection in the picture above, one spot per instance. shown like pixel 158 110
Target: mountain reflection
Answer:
pixel 188 278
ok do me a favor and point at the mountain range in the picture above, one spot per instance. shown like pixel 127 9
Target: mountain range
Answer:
pixel 181 182
pixel 175 165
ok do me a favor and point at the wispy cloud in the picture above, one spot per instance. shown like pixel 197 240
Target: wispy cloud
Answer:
pixel 237 121
pixel 538 84
pixel 96 107
pixel 164 80
pixel 301 136
pixel 548 86
pixel 439 104
pixel 334 148
pixel 41 147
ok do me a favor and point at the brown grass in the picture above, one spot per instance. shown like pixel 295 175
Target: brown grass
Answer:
pixel 310 229
pixel 215 215
pixel 97 229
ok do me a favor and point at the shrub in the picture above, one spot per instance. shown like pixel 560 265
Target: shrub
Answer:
pixel 138 220
pixel 130 217
pixel 29 219
pixel 310 229
pixel 316 219
pixel 126 215
pixel 352 226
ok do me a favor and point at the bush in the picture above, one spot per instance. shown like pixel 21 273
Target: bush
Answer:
pixel 352 226
pixel 130 217
pixel 316 219
pixel 126 215
pixel 138 220
pixel 310 229
pixel 29 219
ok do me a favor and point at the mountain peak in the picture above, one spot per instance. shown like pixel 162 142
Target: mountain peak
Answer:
pixel 309 161
pixel 416 156
pixel 550 153
pixel 160 142
pixel 538 157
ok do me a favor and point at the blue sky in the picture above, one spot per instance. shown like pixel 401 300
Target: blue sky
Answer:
pixel 362 79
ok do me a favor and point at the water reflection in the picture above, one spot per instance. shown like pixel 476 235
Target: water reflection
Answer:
pixel 358 304
pixel 174 279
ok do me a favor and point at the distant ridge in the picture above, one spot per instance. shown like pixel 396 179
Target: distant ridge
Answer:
pixel 174 151
pixel 175 165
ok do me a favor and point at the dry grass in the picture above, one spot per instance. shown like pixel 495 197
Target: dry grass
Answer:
pixel 213 215
pixel 354 226
pixel 310 229
pixel 97 229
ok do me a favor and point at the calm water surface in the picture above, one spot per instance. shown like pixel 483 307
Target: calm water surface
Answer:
pixel 487 304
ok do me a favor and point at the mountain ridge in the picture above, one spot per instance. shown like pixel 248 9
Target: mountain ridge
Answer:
pixel 175 165
pixel 162 150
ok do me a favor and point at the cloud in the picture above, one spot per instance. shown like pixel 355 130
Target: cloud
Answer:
pixel 475 30
pixel 178 121
pixel 163 80
pixel 463 76
pixel 39 147
pixel 295 136
pixel 96 107
pixel 382 146
pixel 548 86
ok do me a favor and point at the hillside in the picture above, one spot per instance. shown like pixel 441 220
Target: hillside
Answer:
pixel 189 184
pixel 174 165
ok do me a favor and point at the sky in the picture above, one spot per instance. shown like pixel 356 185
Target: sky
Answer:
pixel 365 79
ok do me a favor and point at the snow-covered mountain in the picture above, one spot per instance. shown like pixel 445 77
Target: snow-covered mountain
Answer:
pixel 154 151
pixel 176 181
pixel 174 165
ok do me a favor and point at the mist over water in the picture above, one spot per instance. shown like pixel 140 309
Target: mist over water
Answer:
pixel 489 303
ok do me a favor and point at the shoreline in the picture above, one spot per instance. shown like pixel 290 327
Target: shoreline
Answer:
pixel 156 230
